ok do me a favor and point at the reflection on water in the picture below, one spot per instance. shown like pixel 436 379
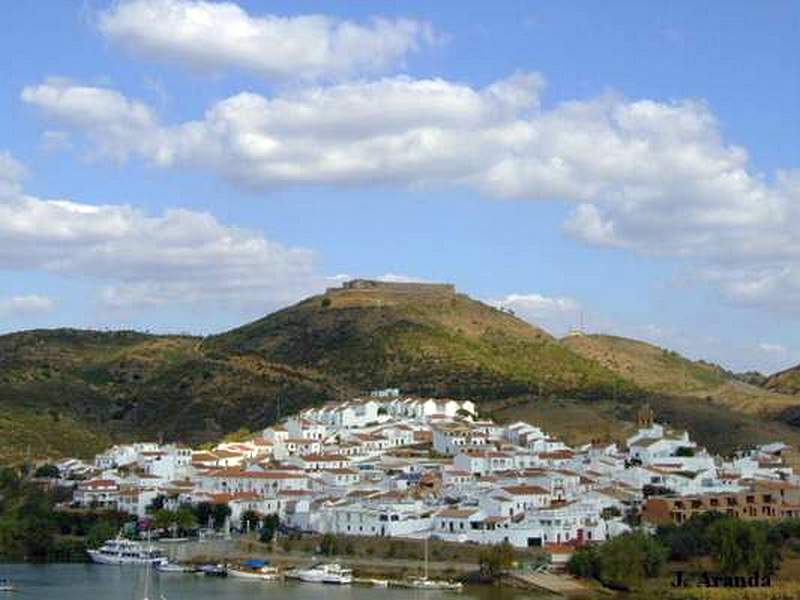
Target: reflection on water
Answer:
pixel 96 582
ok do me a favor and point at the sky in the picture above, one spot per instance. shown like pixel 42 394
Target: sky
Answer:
pixel 185 166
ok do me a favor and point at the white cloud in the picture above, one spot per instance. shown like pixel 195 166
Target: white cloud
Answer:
pixel 772 348
pixel 12 172
pixel 218 36
pixel 117 127
pixel 652 177
pixel 557 315
pixel 32 304
pixel 180 257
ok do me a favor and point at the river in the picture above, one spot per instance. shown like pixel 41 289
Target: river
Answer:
pixel 97 582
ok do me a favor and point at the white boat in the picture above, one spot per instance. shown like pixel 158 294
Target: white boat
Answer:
pixel 121 551
pixel 265 573
pixel 326 573
pixel 423 583
pixel 170 567
pixel 6 585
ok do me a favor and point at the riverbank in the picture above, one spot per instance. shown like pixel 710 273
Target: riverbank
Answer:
pixel 238 550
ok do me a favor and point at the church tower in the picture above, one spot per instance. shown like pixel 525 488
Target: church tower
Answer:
pixel 645 417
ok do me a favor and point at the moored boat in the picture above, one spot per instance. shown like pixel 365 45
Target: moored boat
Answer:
pixel 6 585
pixel 423 583
pixel 326 573
pixel 121 551
pixel 170 567
pixel 255 570
pixel 214 571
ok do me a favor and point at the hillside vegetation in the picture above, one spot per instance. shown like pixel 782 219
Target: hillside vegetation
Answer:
pixel 667 372
pixel 435 344
pixel 62 385
pixel 68 391
pixel 785 382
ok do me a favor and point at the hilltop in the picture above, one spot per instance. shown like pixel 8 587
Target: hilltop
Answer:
pixel 423 338
pixel 785 382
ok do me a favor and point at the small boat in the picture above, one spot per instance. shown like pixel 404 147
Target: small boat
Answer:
pixel 121 551
pixel 423 583
pixel 7 586
pixel 326 573
pixel 214 571
pixel 265 573
pixel 256 570
pixel 170 567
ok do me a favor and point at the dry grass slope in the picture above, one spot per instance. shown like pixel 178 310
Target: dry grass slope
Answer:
pixel 667 372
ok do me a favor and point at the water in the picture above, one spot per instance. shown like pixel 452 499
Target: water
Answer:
pixel 98 582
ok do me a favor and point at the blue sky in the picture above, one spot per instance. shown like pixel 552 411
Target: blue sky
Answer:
pixel 185 166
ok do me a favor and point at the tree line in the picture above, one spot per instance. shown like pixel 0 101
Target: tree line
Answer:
pixel 737 547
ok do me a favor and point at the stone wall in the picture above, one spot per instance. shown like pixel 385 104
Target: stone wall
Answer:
pixel 367 285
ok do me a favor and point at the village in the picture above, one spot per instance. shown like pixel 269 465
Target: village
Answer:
pixel 394 466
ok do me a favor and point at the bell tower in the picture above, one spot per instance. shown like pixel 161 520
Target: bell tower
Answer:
pixel 645 417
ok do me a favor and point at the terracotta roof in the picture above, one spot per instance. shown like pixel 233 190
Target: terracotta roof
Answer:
pixel 235 472
pixel 526 490
pixel 456 513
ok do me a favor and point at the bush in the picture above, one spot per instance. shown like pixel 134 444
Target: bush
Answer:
pixel 47 471
pixel 628 559
pixel 328 545
pixel 743 547
pixel 690 539
pixel 269 527
pixel 584 563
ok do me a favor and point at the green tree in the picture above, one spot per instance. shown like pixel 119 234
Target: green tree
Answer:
pixel 690 539
pixel 626 560
pixel 328 544
pixel 219 513
pixel 48 471
pixel 101 531
pixel 185 519
pixel 584 562
pixel 250 520
pixel 163 519
pixel 203 512
pixel 741 547
pixel 269 526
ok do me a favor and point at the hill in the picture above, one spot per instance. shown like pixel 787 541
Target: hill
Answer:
pixel 666 372
pixel 425 339
pixel 68 391
pixel 785 382
pixel 60 387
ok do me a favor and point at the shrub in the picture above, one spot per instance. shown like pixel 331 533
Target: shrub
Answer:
pixel 584 563
pixel 628 559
